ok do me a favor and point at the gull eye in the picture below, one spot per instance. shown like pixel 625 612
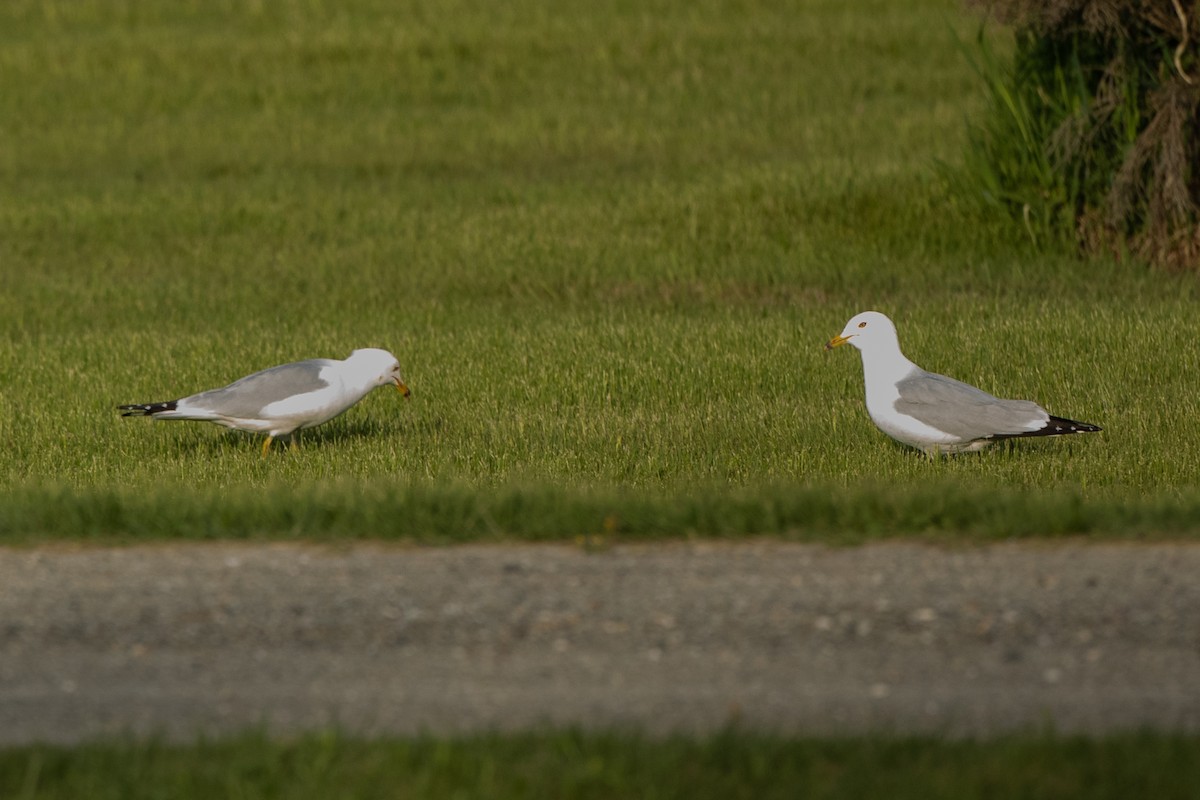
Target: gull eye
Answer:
pixel 862 324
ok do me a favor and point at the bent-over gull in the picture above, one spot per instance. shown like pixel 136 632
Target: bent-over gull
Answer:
pixel 931 412
pixel 284 399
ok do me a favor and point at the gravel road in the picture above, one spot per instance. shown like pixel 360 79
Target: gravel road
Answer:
pixel 180 639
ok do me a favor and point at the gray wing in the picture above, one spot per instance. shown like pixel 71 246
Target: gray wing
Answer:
pixel 245 398
pixel 962 410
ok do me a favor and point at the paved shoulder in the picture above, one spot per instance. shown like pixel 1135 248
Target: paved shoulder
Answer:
pixel 185 638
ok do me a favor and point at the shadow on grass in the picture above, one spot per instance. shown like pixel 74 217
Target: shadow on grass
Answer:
pixel 1032 447
pixel 332 435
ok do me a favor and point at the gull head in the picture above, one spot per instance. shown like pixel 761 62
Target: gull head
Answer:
pixel 380 366
pixel 864 331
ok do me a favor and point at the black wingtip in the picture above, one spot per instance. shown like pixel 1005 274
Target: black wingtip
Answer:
pixel 146 409
pixel 1056 426
pixel 1061 425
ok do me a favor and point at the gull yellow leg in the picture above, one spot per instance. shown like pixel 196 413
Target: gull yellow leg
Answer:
pixel 294 442
pixel 267 445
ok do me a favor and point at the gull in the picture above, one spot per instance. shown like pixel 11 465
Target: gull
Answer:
pixel 281 400
pixel 931 412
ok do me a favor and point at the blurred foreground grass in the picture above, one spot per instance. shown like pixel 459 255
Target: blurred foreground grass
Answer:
pixel 568 765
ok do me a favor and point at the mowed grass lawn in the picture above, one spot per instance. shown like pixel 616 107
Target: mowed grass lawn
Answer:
pixel 606 240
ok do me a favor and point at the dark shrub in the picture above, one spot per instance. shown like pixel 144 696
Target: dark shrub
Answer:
pixel 1093 132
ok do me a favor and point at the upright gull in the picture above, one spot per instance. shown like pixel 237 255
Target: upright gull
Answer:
pixel 931 412
pixel 284 399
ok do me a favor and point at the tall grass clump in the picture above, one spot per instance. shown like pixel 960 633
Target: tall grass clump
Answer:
pixel 1092 134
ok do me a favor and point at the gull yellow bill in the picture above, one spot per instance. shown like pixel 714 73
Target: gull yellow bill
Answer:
pixel 836 341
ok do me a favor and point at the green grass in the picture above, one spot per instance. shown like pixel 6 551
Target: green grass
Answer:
pixel 607 242
pixel 940 511
pixel 568 765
